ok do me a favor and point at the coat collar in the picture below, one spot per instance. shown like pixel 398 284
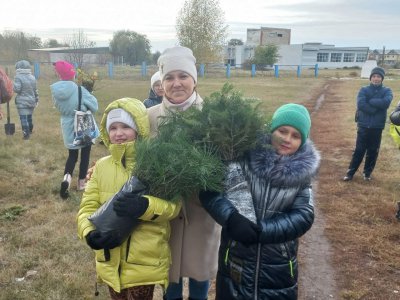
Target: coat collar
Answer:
pixel 125 151
pixel 279 170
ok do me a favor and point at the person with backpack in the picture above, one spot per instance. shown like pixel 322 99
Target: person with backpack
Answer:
pixel 66 97
pixel 27 96
pixel 6 90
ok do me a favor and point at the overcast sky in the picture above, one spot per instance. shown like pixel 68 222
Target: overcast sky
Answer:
pixel 346 23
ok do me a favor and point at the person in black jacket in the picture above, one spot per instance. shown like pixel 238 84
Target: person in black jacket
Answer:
pixel 156 92
pixel 372 104
pixel 259 260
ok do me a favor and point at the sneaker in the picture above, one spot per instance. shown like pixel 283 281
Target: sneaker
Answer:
pixel 26 136
pixel 81 184
pixel 64 190
pixel 367 178
pixel 347 178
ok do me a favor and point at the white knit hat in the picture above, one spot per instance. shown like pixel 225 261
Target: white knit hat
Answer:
pixel 119 115
pixel 156 77
pixel 177 59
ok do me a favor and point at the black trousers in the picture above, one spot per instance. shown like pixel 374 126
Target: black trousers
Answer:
pixel 367 143
pixel 73 158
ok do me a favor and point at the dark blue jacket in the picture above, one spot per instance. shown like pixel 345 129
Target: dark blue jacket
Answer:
pixel 152 100
pixel 282 198
pixel 372 104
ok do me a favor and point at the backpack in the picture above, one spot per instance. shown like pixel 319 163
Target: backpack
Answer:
pixel 6 87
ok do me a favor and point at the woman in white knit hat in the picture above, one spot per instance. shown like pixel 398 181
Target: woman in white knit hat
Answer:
pixel 195 235
pixel 156 92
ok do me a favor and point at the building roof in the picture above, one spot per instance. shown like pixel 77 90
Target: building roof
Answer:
pixel 70 49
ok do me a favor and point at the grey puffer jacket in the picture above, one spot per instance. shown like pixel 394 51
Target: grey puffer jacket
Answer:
pixel 282 198
pixel 25 87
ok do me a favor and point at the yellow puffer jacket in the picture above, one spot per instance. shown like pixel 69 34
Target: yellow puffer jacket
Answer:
pixel 144 258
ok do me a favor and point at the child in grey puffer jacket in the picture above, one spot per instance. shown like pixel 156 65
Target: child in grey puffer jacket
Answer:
pixel 27 95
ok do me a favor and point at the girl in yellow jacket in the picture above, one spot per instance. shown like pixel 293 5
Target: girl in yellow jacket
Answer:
pixel 132 269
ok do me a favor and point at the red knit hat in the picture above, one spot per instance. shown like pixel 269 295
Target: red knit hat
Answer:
pixel 64 69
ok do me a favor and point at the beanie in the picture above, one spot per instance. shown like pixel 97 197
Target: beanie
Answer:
pixel 294 115
pixel 156 77
pixel 64 70
pixel 119 115
pixel 379 71
pixel 22 64
pixel 177 59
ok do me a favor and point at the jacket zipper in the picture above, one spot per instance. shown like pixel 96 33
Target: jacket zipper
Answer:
pixel 290 259
pixel 257 271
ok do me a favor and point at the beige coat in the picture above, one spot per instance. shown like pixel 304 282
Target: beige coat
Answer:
pixel 195 235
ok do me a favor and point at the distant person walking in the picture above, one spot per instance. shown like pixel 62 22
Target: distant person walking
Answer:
pixel 27 96
pixel 372 104
pixel 156 92
pixel 66 96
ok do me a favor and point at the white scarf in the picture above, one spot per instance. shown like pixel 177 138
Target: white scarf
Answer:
pixel 180 106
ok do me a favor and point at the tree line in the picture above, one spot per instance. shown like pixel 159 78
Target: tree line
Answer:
pixel 200 26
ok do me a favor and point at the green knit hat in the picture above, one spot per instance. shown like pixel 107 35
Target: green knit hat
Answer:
pixel 294 115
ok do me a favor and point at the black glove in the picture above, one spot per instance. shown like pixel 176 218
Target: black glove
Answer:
pixel 130 205
pixel 242 229
pixel 106 240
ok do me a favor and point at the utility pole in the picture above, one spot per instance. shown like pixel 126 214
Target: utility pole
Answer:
pixel 383 57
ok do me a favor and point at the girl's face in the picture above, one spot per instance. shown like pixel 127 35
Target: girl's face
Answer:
pixel 158 89
pixel 286 140
pixel 178 86
pixel 121 133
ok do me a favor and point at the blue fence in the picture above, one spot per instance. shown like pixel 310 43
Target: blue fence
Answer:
pixel 211 70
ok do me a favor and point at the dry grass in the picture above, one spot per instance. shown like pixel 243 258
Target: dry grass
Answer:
pixel 360 222
pixel 359 217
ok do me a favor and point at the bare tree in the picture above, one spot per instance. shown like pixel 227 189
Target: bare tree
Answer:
pixel 79 43
pixel 14 45
pixel 200 27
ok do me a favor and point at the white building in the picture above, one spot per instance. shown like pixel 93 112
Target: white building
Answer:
pixel 308 54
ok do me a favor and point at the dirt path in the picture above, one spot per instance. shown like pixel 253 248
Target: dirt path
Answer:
pixel 317 276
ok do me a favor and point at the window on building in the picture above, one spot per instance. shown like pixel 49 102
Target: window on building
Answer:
pixel 280 35
pixel 322 57
pixel 348 57
pixel 361 57
pixel 336 57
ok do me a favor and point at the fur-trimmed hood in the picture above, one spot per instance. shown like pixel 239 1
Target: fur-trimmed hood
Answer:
pixel 293 170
